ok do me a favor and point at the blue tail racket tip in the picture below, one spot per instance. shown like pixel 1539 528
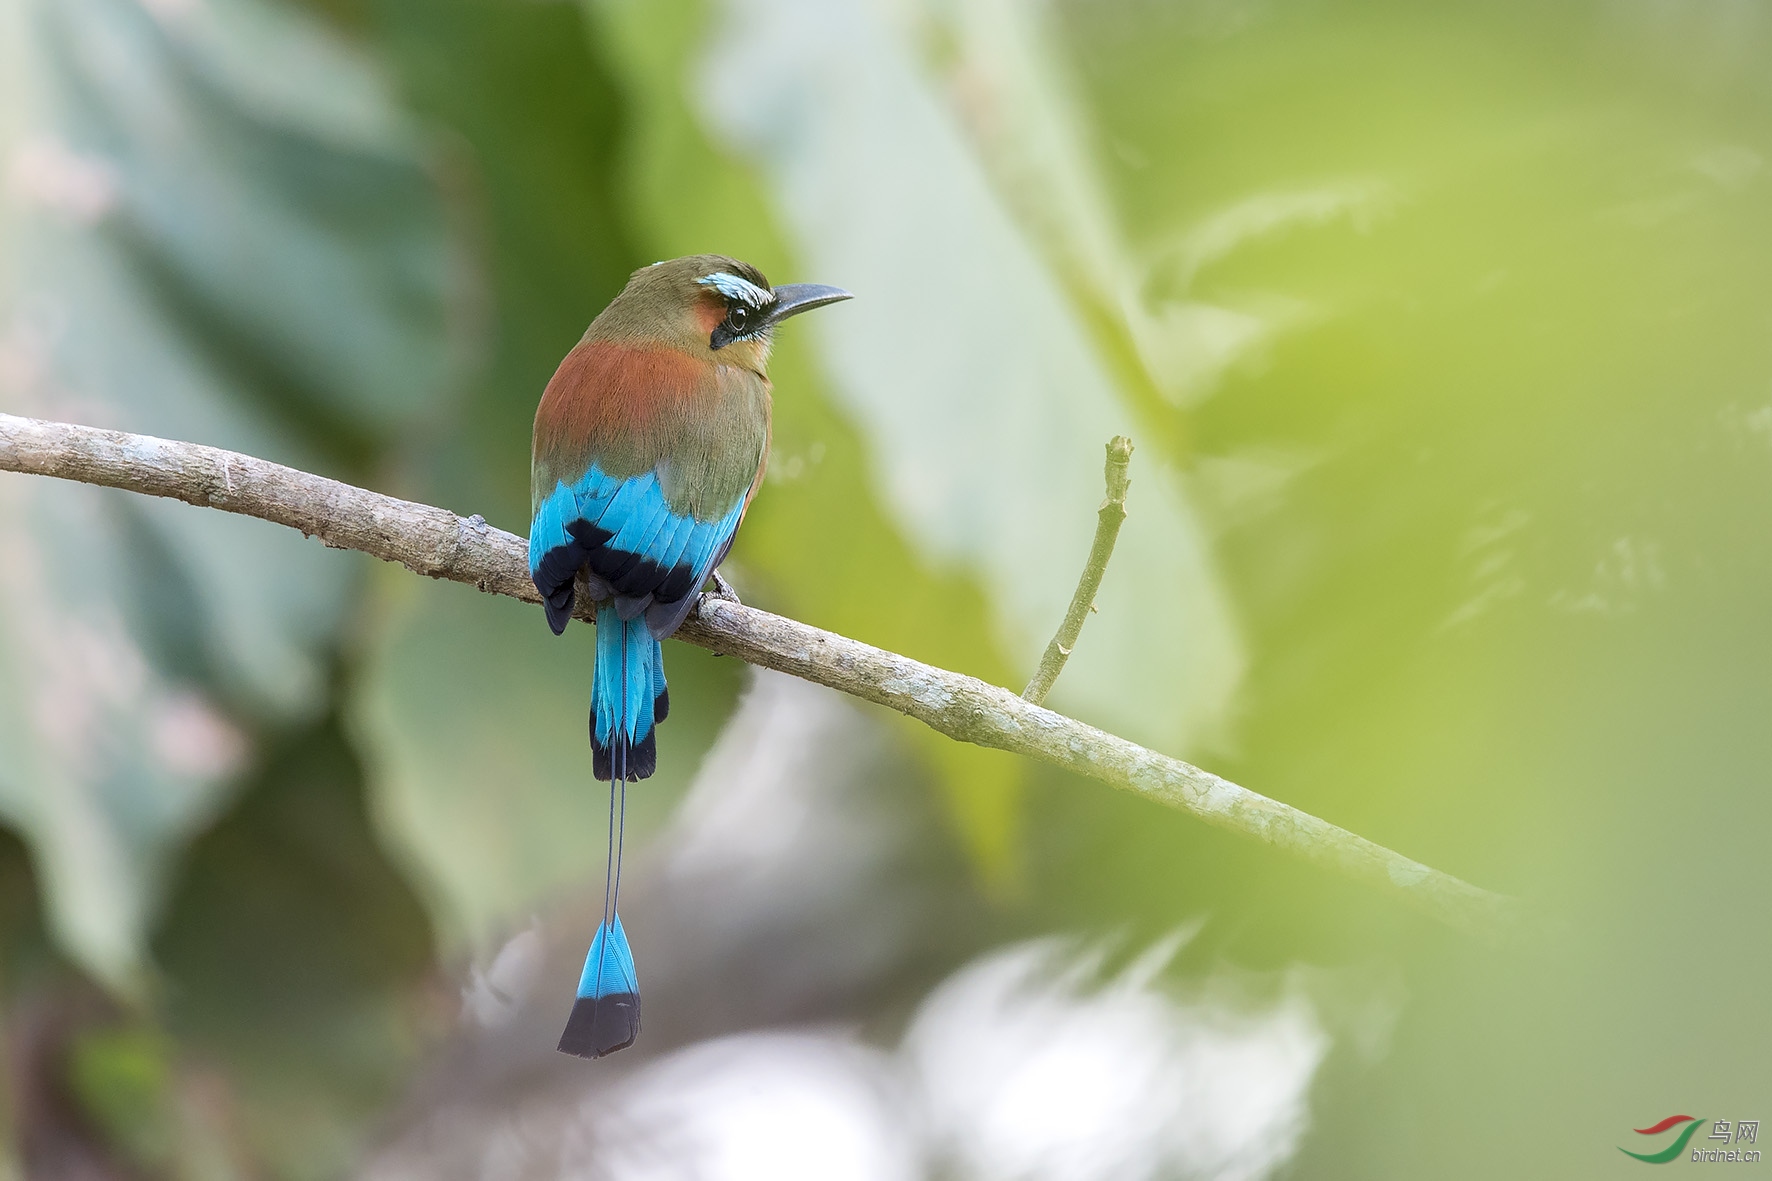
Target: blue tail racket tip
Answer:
pixel 606 1014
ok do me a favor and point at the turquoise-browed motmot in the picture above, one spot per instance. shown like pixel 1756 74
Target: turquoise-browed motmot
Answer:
pixel 650 442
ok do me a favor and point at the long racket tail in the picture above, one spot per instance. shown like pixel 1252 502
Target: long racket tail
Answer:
pixel 626 700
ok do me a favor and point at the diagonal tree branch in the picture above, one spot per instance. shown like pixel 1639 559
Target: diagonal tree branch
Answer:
pixel 438 543
pixel 1108 520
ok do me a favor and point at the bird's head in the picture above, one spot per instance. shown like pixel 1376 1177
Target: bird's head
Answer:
pixel 709 306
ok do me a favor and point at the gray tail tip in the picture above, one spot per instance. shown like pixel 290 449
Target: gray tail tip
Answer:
pixel 601 1025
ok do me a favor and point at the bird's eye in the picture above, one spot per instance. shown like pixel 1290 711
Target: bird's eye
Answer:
pixel 740 319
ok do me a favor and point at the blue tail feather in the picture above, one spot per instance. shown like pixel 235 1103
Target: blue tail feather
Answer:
pixel 628 699
pixel 609 965
pixel 627 693
pixel 606 1014
pixel 661 695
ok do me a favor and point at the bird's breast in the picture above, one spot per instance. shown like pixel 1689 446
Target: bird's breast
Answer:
pixel 703 426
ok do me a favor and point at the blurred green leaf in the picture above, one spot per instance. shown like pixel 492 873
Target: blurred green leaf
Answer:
pixel 1492 509
pixel 123 1078
pixel 218 229
pixel 984 400
pixel 297 967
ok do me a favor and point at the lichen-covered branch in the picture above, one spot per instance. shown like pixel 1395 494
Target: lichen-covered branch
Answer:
pixel 440 544
pixel 1108 520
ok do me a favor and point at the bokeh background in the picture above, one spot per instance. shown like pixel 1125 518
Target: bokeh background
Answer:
pixel 1445 336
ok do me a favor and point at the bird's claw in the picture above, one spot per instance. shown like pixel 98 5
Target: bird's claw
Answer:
pixel 722 590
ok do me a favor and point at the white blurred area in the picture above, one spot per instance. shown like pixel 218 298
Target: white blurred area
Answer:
pixel 1012 1069
pixel 1030 1062
pixel 791 1106
pixel 1025 1070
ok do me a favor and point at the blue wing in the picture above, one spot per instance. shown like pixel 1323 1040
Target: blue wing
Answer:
pixel 640 552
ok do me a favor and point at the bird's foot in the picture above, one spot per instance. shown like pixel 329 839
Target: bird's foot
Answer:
pixel 723 590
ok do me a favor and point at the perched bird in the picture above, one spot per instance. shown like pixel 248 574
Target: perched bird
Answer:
pixel 649 443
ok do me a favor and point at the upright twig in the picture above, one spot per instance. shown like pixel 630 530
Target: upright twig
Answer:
pixel 438 543
pixel 1108 520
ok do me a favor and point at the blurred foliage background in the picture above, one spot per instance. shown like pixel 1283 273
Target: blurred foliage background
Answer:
pixel 1442 331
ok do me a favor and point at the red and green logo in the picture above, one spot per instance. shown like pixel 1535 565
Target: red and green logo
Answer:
pixel 1672 1150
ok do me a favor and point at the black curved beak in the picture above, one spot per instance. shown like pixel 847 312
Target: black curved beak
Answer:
pixel 793 298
